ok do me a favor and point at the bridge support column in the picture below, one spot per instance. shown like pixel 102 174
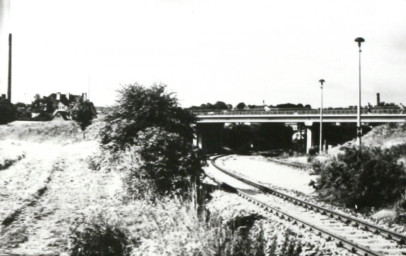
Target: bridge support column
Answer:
pixel 309 137
pixel 198 142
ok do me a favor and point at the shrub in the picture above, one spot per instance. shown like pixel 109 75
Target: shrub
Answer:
pixel 7 110
pixel 161 132
pixel 168 160
pixel 98 238
pixel 373 178
pixel 174 227
pixel 138 108
pixel 83 113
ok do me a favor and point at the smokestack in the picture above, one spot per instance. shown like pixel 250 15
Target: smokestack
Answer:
pixel 378 99
pixel 10 38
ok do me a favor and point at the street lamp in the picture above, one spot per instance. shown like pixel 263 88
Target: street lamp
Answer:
pixel 359 40
pixel 321 117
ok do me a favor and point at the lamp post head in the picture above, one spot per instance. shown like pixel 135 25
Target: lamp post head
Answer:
pixel 359 40
pixel 321 82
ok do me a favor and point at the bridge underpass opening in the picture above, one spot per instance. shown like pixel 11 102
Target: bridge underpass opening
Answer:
pixel 248 137
pixel 271 136
pixel 306 119
pixel 244 138
pixel 209 137
pixel 334 134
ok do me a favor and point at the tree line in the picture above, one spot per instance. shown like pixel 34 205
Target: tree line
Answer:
pixel 82 111
pixel 220 105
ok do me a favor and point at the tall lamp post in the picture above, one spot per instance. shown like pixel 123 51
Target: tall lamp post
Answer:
pixel 359 40
pixel 321 117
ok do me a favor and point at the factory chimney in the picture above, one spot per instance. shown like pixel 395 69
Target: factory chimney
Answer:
pixel 378 99
pixel 10 38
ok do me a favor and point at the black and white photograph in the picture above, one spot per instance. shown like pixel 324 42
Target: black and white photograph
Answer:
pixel 202 127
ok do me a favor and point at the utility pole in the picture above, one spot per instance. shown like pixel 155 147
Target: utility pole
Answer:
pixel 359 40
pixel 321 117
pixel 10 43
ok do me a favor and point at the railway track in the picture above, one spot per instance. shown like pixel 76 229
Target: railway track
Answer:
pixel 358 236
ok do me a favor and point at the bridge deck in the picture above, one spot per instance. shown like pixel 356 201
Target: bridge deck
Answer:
pixel 375 115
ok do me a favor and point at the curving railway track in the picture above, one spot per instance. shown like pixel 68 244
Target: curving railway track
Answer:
pixel 358 236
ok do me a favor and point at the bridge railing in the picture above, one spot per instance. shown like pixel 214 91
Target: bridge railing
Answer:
pixel 366 111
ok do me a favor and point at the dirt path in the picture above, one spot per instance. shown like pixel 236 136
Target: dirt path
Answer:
pixel 69 189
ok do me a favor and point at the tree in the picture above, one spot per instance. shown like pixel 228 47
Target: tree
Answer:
pixel 161 131
pixel 42 105
pixel 240 106
pixel 138 108
pixel 220 105
pixel 7 110
pixel 22 111
pixel 83 113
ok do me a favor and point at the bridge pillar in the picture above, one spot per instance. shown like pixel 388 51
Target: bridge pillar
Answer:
pixel 198 141
pixel 309 137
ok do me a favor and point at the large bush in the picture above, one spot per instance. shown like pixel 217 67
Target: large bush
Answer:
pixel 169 160
pixel 83 113
pixel 138 108
pixel 150 120
pixel 373 178
pixel 99 238
pixel 7 111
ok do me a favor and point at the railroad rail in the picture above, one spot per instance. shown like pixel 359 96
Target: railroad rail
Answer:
pixel 396 245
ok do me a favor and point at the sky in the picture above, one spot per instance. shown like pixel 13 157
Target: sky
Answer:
pixel 250 51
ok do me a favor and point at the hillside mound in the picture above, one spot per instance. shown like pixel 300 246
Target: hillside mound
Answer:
pixel 382 136
pixel 386 136
pixel 49 131
pixel 57 131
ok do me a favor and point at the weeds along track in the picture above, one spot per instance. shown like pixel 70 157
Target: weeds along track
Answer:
pixel 358 236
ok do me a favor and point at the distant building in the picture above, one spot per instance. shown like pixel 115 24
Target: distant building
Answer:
pixel 57 106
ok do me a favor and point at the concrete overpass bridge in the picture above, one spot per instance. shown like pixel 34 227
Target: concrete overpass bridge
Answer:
pixel 210 122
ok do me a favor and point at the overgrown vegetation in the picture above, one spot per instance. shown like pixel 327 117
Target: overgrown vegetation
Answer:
pixel 138 108
pixel 174 226
pixel 82 112
pixel 7 110
pixel 147 137
pixel 372 178
pixel 161 131
pixel 142 222
pixel 99 237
